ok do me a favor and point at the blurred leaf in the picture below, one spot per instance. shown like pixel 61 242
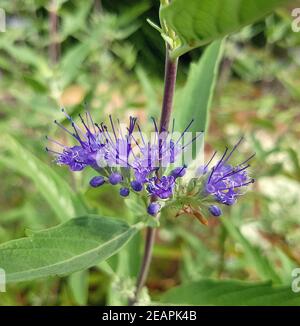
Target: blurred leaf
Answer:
pixel 200 22
pixel 126 264
pixel 148 88
pixel 69 247
pixel 231 292
pixel 126 269
pixel 256 259
pixel 194 100
pixel 293 155
pixel 79 286
pixel 71 62
pixel 26 55
pixel 126 52
pixel 75 20
pixel 127 16
pixel 54 189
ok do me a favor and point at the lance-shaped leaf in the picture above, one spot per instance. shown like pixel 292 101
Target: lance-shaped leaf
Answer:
pixel 69 247
pixel 194 100
pixel 200 22
pixel 231 292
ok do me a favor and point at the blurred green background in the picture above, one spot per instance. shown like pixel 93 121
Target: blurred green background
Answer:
pixel 103 53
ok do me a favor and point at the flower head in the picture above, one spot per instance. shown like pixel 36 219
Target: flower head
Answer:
pixel 125 158
pixel 161 187
pixel 225 182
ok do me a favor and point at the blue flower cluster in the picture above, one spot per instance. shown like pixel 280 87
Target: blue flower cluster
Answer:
pixel 129 160
pixel 224 181
pixel 120 158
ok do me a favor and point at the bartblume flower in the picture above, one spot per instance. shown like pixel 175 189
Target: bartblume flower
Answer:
pixel 124 158
pixel 213 185
pixel 178 172
pixel 161 187
pixel 226 182
pixel 151 168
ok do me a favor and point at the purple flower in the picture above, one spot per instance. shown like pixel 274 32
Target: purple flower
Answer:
pixel 153 208
pixel 161 187
pixel 126 157
pixel 225 182
pixel 75 157
pixel 95 144
pixel 178 172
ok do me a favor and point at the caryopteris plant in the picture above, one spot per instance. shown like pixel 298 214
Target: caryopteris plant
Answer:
pixel 163 169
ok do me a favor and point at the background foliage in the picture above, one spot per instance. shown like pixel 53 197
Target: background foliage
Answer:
pixel 103 53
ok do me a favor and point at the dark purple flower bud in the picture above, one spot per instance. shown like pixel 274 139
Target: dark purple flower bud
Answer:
pixel 153 209
pixel 97 181
pixel 115 178
pixel 215 210
pixel 136 186
pixel 124 192
pixel 178 172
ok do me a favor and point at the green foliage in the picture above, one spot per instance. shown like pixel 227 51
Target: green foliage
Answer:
pixel 54 189
pixel 75 245
pixel 200 22
pixel 231 293
pixel 113 60
pixel 260 263
pixel 194 100
pixel 79 285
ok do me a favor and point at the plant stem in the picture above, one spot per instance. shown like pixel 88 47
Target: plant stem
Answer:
pixel 169 88
pixel 98 6
pixel 170 81
pixel 149 242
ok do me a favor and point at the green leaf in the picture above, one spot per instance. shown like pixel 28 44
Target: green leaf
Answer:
pixel 71 62
pixel 295 161
pixel 129 14
pixel 52 187
pixel 149 90
pixel 79 286
pixel 69 247
pixel 194 100
pixel 231 292
pixel 75 20
pixel 27 56
pixel 200 22
pixel 254 256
